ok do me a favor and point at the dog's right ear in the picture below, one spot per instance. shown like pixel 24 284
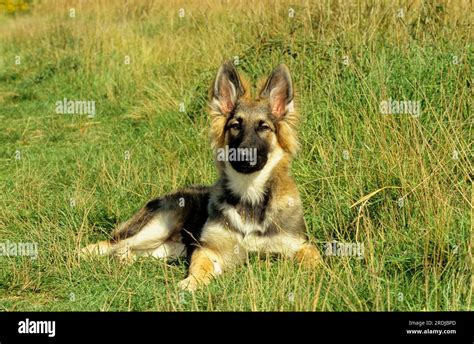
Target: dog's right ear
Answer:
pixel 226 89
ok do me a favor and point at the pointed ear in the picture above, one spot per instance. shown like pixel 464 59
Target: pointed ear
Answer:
pixel 226 89
pixel 279 91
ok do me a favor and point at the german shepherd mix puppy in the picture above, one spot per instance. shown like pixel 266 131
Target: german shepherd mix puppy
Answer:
pixel 253 207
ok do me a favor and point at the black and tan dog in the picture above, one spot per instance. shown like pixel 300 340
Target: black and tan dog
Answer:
pixel 253 207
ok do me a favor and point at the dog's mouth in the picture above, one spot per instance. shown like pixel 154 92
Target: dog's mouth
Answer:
pixel 246 167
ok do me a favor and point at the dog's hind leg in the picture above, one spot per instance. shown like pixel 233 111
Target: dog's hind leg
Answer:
pixel 99 249
pixel 157 224
pixel 152 235
pixel 169 249
pixel 146 230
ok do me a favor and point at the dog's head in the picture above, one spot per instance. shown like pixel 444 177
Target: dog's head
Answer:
pixel 247 132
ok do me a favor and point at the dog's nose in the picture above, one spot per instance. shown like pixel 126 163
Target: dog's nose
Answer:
pixel 245 154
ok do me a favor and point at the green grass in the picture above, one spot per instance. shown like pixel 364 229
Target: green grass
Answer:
pixel 417 256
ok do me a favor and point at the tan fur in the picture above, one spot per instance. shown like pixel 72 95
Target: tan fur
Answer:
pixel 201 270
pixel 309 256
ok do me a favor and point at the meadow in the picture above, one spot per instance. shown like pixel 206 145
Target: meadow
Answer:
pixel 399 184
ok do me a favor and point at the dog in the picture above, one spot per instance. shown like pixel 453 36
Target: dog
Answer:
pixel 253 207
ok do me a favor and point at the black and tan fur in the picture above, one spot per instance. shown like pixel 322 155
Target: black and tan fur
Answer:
pixel 251 208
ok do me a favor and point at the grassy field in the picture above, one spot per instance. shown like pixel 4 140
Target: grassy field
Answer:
pixel 67 179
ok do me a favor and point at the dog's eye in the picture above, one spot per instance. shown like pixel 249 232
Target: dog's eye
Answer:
pixel 235 126
pixel 264 127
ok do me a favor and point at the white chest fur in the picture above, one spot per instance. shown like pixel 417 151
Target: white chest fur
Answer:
pixel 251 187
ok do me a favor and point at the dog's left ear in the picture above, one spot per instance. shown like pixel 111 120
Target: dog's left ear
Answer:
pixel 279 91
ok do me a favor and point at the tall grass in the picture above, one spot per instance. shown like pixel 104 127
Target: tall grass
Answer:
pixel 401 185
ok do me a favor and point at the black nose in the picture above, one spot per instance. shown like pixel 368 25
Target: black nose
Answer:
pixel 245 154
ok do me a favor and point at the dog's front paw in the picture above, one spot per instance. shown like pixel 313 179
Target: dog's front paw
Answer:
pixel 309 256
pixel 190 284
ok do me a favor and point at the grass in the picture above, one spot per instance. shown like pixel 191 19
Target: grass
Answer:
pixel 65 181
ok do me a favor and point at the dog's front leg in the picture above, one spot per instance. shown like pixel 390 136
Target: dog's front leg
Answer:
pixel 220 250
pixel 205 264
